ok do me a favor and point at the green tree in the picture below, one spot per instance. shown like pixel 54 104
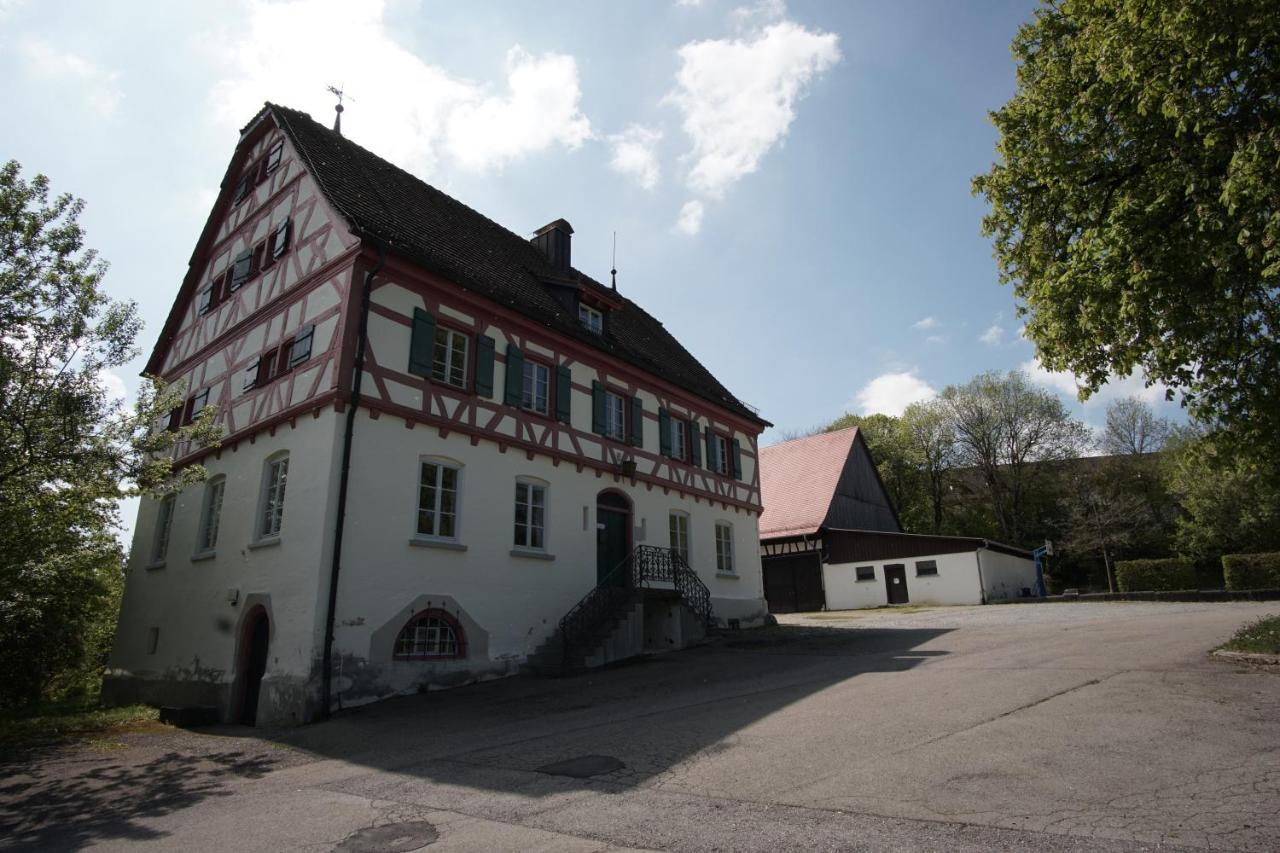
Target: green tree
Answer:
pixel 1010 433
pixel 931 437
pixel 1133 428
pixel 1134 204
pixel 1230 503
pixel 68 450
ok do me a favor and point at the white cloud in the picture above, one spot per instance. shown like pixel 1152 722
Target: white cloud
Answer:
pixel 113 385
pixel 891 393
pixel 540 110
pixel 936 339
pixel 1116 387
pixel 99 88
pixel 993 336
pixel 738 97
pixel 760 12
pixel 635 154
pixel 411 111
pixel 690 219
pixel 926 323
pixel 689 2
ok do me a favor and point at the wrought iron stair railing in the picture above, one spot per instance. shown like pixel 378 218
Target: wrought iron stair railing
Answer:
pixel 643 567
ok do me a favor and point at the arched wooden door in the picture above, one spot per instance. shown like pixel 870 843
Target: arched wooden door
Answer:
pixel 613 536
pixel 255 640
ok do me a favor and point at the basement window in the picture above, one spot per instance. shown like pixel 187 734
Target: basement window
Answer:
pixel 926 567
pixel 431 635
pixel 866 573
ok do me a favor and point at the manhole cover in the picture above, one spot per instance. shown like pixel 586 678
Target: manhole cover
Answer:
pixel 389 838
pixel 583 767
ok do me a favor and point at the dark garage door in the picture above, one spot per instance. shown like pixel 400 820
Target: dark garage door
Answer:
pixel 793 584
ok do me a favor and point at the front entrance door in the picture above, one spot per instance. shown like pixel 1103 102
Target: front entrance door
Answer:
pixel 256 638
pixel 895 578
pixel 613 534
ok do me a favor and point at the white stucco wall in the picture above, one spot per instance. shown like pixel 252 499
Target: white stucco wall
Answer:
pixel 1005 575
pixel 955 583
pixel 187 599
pixel 516 600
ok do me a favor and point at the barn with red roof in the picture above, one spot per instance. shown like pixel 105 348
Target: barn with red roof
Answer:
pixel 830 538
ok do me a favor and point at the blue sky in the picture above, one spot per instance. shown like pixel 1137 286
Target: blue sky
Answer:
pixel 789 183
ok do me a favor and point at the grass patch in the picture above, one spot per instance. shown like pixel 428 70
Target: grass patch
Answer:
pixel 1262 637
pixel 50 722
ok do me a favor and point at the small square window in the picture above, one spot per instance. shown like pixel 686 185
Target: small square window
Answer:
pixel 926 567
pixel 591 318
pixel 866 573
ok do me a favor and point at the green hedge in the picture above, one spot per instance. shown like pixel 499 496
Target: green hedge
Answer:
pixel 1251 571
pixel 1154 575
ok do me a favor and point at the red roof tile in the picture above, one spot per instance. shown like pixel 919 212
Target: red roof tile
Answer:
pixel 798 481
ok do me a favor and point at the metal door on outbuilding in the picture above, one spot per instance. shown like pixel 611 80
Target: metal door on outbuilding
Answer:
pixel 793 583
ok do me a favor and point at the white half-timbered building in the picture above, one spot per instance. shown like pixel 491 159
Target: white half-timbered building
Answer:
pixel 447 454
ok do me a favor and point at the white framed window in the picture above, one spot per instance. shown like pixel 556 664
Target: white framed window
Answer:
pixel 438 499
pixel 210 515
pixel 271 506
pixel 536 391
pixel 164 524
pixel 679 530
pixel 531 515
pixel 591 318
pixel 615 416
pixel 724 547
pixel 724 459
pixel 679 438
pixel 449 357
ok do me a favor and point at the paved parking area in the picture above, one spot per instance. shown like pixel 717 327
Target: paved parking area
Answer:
pixel 1040 727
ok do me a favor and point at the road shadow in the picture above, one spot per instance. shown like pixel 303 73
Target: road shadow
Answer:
pixel 54 805
pixel 651 715
pixel 647 717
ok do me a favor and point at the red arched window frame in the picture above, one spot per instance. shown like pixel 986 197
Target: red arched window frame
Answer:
pixel 430 634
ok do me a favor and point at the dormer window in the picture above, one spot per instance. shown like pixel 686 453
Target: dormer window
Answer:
pixel 591 318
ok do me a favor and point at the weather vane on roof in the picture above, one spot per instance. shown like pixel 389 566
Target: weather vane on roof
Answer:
pixel 337 119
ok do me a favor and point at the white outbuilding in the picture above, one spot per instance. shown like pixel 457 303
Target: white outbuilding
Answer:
pixel 831 540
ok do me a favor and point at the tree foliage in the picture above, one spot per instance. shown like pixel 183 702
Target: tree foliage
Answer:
pixel 1133 429
pixel 1135 205
pixel 68 449
pixel 1003 426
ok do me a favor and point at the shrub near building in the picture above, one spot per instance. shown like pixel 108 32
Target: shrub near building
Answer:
pixel 1252 571
pixel 1155 575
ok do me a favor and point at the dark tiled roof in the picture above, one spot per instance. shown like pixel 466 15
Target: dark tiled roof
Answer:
pixel 418 222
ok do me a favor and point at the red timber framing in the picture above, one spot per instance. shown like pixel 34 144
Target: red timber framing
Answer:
pixel 452 409
pixel 480 418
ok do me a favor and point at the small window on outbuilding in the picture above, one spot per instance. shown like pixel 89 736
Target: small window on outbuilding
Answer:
pixel 866 573
pixel 431 635
pixel 926 567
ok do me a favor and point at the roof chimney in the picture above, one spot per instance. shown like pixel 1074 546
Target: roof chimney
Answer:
pixel 553 240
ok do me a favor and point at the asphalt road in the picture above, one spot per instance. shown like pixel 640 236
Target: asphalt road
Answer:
pixel 1027 727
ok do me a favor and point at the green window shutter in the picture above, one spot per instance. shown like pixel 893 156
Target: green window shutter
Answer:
pixel 564 393
pixel 737 459
pixel 515 375
pixel 695 445
pixel 597 408
pixel 484 366
pixel 637 421
pixel 664 432
pixel 422 343
pixel 713 458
